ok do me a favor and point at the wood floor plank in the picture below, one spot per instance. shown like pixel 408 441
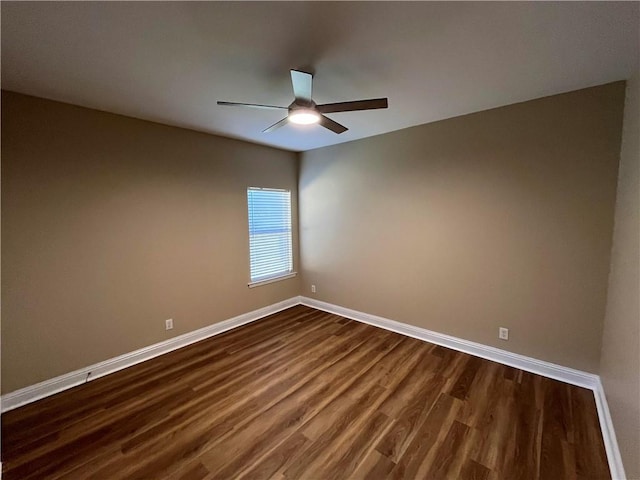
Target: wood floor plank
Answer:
pixel 410 417
pixel 227 393
pixel 481 394
pixel 303 394
pixel 375 465
pixel 321 451
pixel 587 435
pixel 494 425
pixel 192 471
pixel 214 424
pixel 415 461
pixel 460 389
pixel 278 459
pixel 449 451
pixel 418 383
pixel 472 470
pixel 257 438
pixel 108 392
pixel 523 435
pixel 343 423
pixel 357 447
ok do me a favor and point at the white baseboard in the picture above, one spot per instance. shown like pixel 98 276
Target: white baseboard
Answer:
pixel 63 382
pixel 609 434
pixel 540 367
pixel 568 375
pixel 546 369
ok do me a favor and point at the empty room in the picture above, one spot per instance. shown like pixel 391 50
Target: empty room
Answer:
pixel 320 240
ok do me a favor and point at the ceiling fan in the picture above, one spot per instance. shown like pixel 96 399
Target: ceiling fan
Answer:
pixel 303 110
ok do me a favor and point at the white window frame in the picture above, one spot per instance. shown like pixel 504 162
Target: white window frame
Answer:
pixel 254 246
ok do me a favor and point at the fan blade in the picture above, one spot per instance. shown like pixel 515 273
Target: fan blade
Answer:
pixel 353 106
pixel 252 105
pixel 335 127
pixel 302 85
pixel 276 125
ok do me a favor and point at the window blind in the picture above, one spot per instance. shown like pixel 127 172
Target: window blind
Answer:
pixel 270 250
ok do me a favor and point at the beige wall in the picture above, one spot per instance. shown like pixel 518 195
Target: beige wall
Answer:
pixel 111 225
pixel 500 218
pixel 620 362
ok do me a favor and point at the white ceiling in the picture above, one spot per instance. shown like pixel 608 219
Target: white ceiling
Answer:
pixel 171 61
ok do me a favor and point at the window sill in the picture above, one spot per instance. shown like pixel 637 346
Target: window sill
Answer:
pixel 271 280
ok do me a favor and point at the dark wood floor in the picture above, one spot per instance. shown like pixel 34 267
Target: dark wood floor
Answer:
pixel 303 394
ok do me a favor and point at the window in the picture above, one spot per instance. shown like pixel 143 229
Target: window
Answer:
pixel 270 250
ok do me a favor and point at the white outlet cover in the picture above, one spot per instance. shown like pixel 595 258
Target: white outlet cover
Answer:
pixel 503 333
pixel 168 324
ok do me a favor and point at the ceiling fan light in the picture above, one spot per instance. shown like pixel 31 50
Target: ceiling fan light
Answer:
pixel 304 116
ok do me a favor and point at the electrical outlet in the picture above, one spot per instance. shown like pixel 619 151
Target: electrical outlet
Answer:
pixel 503 333
pixel 168 324
pixel 313 289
